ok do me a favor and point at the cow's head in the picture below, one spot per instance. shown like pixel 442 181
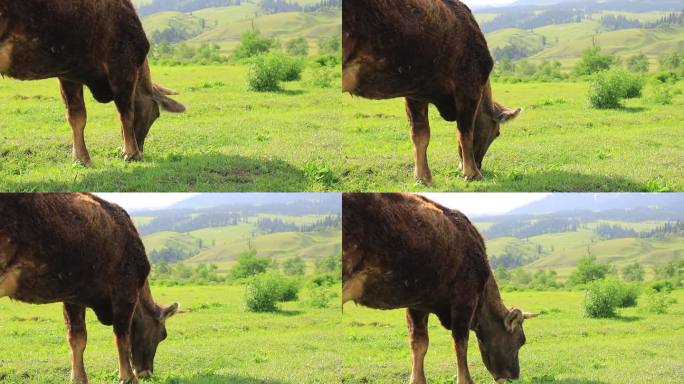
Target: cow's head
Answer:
pixel 499 341
pixel 488 124
pixel 147 331
pixel 149 99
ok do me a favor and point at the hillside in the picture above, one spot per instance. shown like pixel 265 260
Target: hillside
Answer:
pixel 190 22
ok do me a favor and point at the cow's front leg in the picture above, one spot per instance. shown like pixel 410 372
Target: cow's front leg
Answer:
pixel 76 115
pixel 124 90
pixel 123 316
pixel 74 318
pixel 419 342
pixel 461 317
pixel 468 109
pixel 417 112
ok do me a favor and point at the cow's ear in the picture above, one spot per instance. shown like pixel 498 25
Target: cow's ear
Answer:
pixel 504 115
pixel 160 95
pixel 514 319
pixel 170 311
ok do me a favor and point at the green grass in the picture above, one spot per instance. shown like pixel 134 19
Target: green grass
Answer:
pixel 215 342
pixel 562 346
pixel 228 140
pixel 557 144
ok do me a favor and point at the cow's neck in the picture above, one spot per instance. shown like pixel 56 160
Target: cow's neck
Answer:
pixel 146 304
pixel 490 307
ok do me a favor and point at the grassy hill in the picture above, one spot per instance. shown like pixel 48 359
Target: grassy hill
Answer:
pixel 562 251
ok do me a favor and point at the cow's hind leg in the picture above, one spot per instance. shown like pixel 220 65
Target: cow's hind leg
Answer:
pixel 461 317
pixel 468 109
pixel 124 87
pixel 123 316
pixel 417 112
pixel 419 342
pixel 74 317
pixel 76 115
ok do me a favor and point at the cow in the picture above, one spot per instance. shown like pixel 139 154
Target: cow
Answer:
pixel 405 251
pixel 429 52
pixel 84 252
pixel 100 44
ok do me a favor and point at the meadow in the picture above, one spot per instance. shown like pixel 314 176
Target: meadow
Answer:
pixel 562 346
pixel 229 139
pixel 558 144
pixel 212 341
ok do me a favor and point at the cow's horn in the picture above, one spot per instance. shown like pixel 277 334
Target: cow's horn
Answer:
pixel 529 315
pixel 164 91
pixel 170 310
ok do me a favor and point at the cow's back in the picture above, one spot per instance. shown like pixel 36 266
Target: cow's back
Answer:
pixel 69 247
pixel 71 38
pixel 409 251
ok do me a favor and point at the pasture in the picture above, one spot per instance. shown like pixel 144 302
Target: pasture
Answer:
pixel 558 144
pixel 228 140
pixel 562 346
pixel 214 341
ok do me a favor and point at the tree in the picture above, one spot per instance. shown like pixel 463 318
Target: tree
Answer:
pixel 593 61
pixel 294 266
pixel 330 264
pixel 252 44
pixel 330 45
pixel 297 47
pixel 249 264
pixel 633 272
pixel 588 270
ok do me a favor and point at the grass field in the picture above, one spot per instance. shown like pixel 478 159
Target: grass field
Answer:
pixel 562 347
pixel 228 140
pixel 557 144
pixel 215 342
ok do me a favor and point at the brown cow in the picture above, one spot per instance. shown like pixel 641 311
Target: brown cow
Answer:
pixel 84 252
pixel 430 52
pixel 100 44
pixel 404 251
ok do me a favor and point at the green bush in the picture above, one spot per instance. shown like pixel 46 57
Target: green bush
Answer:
pixel 252 44
pixel 249 264
pixel 662 286
pixel 297 47
pixel 264 292
pixel 627 294
pixel 323 77
pixel 658 302
pixel 267 70
pixel 608 88
pixel 588 270
pixel 319 297
pixel 602 299
pixel 593 62
pixel 668 77
pixel 294 266
pixel 663 94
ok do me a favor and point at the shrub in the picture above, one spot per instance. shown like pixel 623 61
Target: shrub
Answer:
pixel 633 272
pixel 252 44
pixel 638 63
pixel 297 47
pixel 588 270
pixel 267 70
pixel 330 45
pixel 662 94
pixel 607 89
pixel 593 62
pixel 263 292
pixel 294 266
pixel 658 302
pixel 602 299
pixel 323 77
pixel 668 77
pixel 662 286
pixel 319 297
pixel 627 294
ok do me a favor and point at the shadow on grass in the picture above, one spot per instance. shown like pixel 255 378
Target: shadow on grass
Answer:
pixel 549 380
pixel 211 172
pixel 220 379
pixel 558 181
pixel 628 319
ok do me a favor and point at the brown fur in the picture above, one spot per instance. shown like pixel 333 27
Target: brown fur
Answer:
pixel 84 252
pixel 405 251
pixel 428 51
pixel 97 43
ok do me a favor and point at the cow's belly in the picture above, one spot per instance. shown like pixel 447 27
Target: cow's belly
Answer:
pixel 378 79
pixel 25 59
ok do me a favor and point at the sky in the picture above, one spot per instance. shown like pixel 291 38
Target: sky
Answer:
pixel 480 3
pixel 484 203
pixel 469 203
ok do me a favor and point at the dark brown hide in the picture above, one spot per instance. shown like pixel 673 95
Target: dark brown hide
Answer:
pixel 100 44
pixel 84 252
pixel 430 52
pixel 405 251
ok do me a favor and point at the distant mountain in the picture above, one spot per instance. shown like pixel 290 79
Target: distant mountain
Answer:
pixel 601 202
pixel 211 200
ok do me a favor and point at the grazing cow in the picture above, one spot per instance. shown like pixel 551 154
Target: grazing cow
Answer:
pixel 404 251
pixel 100 44
pixel 429 52
pixel 84 252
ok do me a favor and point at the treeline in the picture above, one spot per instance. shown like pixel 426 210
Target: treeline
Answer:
pixel 184 5
pixel 182 54
pixel 614 23
pixel 616 231
pixel 531 20
pixel 172 255
pixel 524 229
pixel 280 6
pixel 192 222
pixel 277 225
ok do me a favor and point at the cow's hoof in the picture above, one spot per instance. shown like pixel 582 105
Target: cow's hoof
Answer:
pixel 132 380
pixel 83 162
pixel 473 176
pixel 425 180
pixel 79 381
pixel 133 157
pixel 144 374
